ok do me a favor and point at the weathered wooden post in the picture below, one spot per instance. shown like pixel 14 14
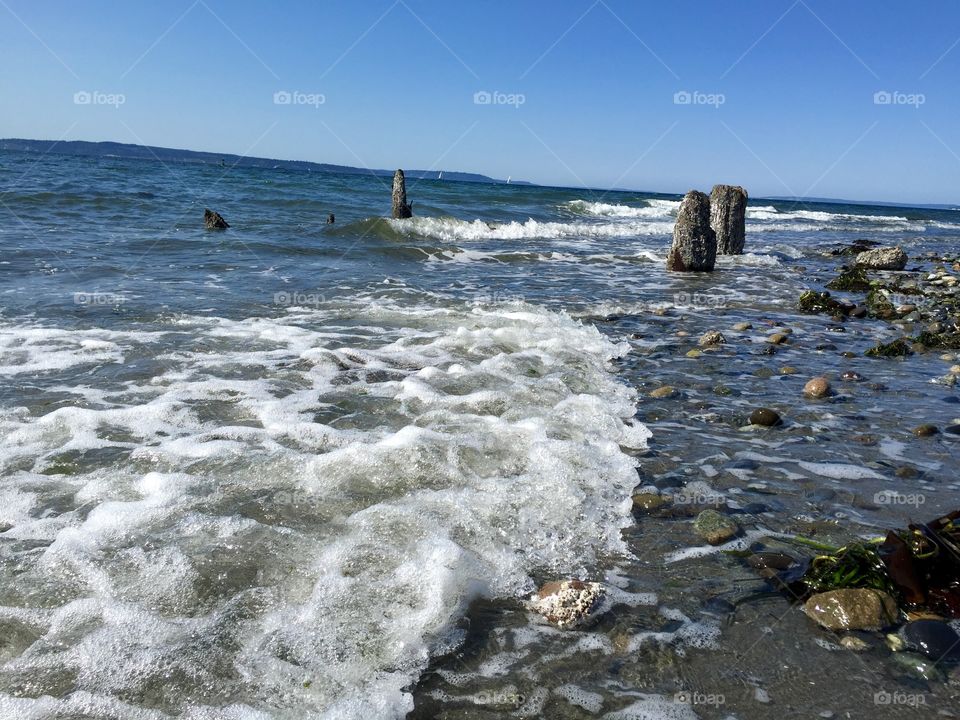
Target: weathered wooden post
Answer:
pixel 694 241
pixel 400 207
pixel 728 218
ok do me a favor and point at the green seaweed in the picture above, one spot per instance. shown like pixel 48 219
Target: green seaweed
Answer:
pixel 850 280
pixel 939 341
pixel 898 348
pixel 857 565
pixel 812 301
pixel 879 306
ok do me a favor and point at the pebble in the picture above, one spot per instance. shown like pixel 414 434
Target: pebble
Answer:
pixel 694 353
pixel 853 643
pixel 648 502
pixel 955 370
pixel 743 326
pixel 926 430
pixel 777 339
pixel 682 333
pixel 848 354
pixel 765 417
pixel 568 603
pixel 663 392
pixel 952 429
pixel 852 376
pixel 712 337
pixel 816 388
pixel 714 527
pixel 788 370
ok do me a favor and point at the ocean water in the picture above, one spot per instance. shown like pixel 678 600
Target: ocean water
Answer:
pixel 298 470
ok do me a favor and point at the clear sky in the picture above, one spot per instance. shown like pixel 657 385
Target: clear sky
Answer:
pixel 781 94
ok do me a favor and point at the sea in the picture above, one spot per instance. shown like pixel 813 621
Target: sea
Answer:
pixel 296 469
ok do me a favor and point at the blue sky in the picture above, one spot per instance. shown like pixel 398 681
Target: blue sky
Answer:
pixel 781 93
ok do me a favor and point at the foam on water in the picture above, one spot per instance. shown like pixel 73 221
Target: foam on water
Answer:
pixel 659 209
pixel 237 539
pixel 454 230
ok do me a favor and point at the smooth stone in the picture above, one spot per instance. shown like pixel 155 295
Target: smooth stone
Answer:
pixel 694 353
pixel 722 390
pixel 849 355
pixel 765 417
pixel 851 376
pixel 777 339
pixel 852 609
pixel 933 638
pixel 788 370
pixel 816 388
pixel 763 372
pixel 649 502
pixel 952 429
pixel 714 527
pixel 926 430
pixel 743 326
pixel 663 392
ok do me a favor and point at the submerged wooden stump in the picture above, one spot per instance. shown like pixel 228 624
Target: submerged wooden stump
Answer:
pixel 694 241
pixel 728 218
pixel 400 207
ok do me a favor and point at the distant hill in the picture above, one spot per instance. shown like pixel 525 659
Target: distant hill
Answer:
pixel 876 203
pixel 146 152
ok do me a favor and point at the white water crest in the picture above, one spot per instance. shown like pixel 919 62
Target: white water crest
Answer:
pixel 288 516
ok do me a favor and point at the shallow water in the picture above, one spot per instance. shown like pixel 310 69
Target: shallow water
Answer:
pixel 296 470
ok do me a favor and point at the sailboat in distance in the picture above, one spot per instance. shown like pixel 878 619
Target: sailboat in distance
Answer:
pixel 440 175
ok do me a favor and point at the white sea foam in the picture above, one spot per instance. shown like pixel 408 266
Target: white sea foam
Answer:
pixel 453 230
pixel 254 528
pixel 658 209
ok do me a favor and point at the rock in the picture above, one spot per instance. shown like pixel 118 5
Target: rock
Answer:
pixel 663 392
pixel 331 219
pixel 694 353
pixel 882 259
pixel 743 326
pixel 649 502
pixel 926 430
pixel 401 209
pixel 712 337
pixel 816 388
pixel 694 245
pixel 214 220
pixel 728 213
pixel 765 417
pixel 777 339
pixel 860 311
pixel 852 609
pixel 879 305
pixel 851 642
pixel 788 370
pixel 933 638
pixel 851 376
pixel 850 280
pixel 952 429
pixel 714 527
pixel 724 391
pixel 568 603
pixel 898 348
pixel 812 301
